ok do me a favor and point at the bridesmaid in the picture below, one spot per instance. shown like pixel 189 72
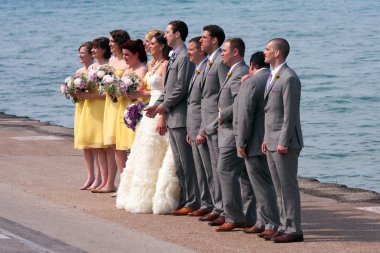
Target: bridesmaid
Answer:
pixel 135 56
pixel 90 134
pixel 86 59
pixel 111 109
pixel 148 37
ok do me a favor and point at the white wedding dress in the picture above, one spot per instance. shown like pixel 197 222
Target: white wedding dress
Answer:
pixel 149 183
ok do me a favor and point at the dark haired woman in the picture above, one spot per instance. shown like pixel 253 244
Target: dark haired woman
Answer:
pixel 135 57
pixel 111 108
pixel 90 134
pixel 149 182
pixel 86 59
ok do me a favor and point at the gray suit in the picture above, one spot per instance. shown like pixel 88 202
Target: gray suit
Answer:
pixel 283 127
pixel 213 78
pixel 177 78
pixel 249 131
pixel 230 166
pixel 201 154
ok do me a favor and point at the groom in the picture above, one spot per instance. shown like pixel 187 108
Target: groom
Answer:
pixel 173 103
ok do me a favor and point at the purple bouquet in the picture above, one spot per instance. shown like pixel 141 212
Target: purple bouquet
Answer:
pixel 133 114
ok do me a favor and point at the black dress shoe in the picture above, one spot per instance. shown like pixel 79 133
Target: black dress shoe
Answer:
pixel 285 238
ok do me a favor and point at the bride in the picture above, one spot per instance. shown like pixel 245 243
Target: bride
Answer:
pixel 149 182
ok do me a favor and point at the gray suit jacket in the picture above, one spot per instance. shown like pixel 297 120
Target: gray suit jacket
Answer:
pixel 194 118
pixel 177 79
pixel 282 111
pixel 227 94
pixel 213 78
pixel 249 120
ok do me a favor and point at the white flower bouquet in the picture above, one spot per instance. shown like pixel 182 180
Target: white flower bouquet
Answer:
pixel 75 84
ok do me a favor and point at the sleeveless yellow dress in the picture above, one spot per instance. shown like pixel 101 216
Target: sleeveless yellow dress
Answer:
pixel 124 135
pixel 77 117
pixel 78 113
pixel 147 87
pixel 90 131
pixel 111 110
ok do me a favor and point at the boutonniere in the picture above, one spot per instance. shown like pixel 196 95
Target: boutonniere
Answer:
pixel 229 74
pixel 209 63
pixel 277 75
pixel 197 71
pixel 172 54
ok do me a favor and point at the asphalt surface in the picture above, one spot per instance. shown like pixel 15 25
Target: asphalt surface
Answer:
pixel 42 210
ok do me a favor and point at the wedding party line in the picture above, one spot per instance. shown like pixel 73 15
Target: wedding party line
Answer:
pixel 194 131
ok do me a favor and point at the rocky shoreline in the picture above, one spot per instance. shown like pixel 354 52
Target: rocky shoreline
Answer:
pixel 339 192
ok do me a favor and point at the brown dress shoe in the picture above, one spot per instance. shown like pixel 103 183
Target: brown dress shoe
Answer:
pixel 182 211
pixel 253 230
pixel 209 217
pixel 199 212
pixel 217 222
pixel 228 226
pixel 269 236
pixel 285 238
pixel 268 232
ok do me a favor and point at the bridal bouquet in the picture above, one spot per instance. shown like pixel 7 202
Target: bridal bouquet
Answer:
pixel 75 84
pixel 133 114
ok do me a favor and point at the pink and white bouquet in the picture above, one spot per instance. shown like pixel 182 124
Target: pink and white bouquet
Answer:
pixel 74 85
pixel 115 86
pixel 133 114
pixel 111 85
pixel 129 83
pixel 96 76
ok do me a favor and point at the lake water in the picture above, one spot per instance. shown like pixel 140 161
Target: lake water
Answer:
pixel 334 49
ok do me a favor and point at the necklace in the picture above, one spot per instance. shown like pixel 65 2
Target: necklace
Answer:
pixel 156 65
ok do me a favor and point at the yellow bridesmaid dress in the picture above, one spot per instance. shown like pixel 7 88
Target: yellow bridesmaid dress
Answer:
pixel 111 110
pixel 90 132
pixel 77 118
pixel 124 135
pixel 147 87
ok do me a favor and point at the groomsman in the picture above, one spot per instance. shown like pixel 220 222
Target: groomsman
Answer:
pixel 213 76
pixel 193 123
pixel 230 166
pixel 249 130
pixel 173 103
pixel 283 139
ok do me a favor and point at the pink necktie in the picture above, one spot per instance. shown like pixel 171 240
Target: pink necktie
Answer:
pixel 269 81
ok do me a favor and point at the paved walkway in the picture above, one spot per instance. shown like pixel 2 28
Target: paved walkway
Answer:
pixel 42 210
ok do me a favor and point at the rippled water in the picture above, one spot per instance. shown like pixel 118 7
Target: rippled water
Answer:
pixel 334 49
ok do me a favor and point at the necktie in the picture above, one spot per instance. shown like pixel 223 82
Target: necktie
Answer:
pixel 269 81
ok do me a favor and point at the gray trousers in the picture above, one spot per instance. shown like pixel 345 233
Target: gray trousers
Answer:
pixel 183 160
pixel 262 185
pixel 230 167
pixel 283 169
pixel 216 192
pixel 248 198
pixel 203 169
